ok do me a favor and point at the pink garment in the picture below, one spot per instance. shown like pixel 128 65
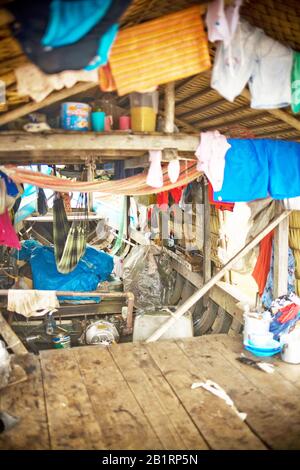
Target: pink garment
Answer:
pixel 211 157
pixel 8 236
pixel 155 175
pixel 221 24
pixel 174 170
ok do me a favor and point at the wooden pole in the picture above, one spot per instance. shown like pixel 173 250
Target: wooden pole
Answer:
pixel 281 255
pixel 12 340
pixel 207 241
pixel 217 277
pixel 169 107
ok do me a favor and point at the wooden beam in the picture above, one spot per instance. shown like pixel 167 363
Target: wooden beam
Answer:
pixel 281 246
pixel 197 95
pixel 10 337
pixel 62 143
pixel 169 107
pixel 53 98
pixel 202 109
pixel 217 277
pixel 238 120
pixel 207 239
pixel 278 113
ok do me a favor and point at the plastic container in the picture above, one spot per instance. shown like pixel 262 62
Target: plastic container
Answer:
pixel 75 116
pixel 143 110
pixel 98 121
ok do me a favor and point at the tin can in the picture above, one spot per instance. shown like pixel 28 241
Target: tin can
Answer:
pixel 75 116
pixel 61 341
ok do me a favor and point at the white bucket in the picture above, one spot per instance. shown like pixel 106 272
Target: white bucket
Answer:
pixel 256 324
pixel 290 351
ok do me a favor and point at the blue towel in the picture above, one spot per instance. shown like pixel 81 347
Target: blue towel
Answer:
pixel 257 168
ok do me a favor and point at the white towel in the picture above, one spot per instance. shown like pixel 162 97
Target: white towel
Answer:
pixel 31 303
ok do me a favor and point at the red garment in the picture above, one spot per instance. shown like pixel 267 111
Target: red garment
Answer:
pixel 289 312
pixel 163 197
pixel 263 263
pixel 8 236
pixel 223 206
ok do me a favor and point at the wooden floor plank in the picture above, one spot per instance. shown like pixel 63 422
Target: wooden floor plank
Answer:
pixel 216 421
pixel 72 424
pixel 262 413
pixel 121 419
pixel 26 401
pixel 154 395
pixel 282 393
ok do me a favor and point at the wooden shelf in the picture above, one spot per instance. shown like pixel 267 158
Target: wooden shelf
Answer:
pixel 72 147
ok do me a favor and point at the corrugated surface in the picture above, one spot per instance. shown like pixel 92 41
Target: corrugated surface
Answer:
pixel 160 51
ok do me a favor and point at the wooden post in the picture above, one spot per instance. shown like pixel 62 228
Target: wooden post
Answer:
pixel 217 277
pixel 207 241
pixel 90 177
pixel 12 340
pixel 281 246
pixel 169 107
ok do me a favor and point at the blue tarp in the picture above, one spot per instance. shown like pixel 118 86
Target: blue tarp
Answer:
pixel 94 267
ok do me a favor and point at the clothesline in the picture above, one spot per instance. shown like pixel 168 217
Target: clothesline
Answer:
pixel 132 186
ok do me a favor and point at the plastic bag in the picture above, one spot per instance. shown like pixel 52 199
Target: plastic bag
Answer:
pixel 148 274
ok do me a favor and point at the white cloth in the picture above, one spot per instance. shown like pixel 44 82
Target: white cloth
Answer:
pixel 31 303
pixel 155 175
pixel 211 157
pixel 292 203
pixel 222 23
pixel 174 170
pixel 33 82
pixel 254 57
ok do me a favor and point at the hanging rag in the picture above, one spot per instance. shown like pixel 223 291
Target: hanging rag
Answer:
pixel 159 51
pixel 42 204
pixel 174 170
pixel 155 174
pixel 8 236
pixel 222 23
pixel 31 303
pixel 211 157
pixel 263 263
pixel 215 389
pixel 32 18
pixel 258 59
pixel 295 83
pixel 69 243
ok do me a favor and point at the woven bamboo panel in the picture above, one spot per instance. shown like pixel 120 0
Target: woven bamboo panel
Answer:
pixel 159 51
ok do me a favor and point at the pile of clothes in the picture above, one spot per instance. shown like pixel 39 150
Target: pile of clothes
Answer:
pixel 285 312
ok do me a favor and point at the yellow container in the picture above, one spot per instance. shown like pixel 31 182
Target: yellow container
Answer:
pixel 143 119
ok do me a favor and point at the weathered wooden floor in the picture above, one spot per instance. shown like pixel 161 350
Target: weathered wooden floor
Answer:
pixel 138 396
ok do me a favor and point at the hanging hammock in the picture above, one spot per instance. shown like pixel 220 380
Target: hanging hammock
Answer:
pixel 69 243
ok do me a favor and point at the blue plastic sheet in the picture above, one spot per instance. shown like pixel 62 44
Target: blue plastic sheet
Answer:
pixel 94 267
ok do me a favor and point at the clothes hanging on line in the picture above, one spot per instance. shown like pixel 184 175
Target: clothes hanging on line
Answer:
pixel 255 169
pixel 8 236
pixel 292 203
pixel 32 18
pixel 211 157
pixel 155 175
pixel 254 57
pixel 222 23
pixel 222 206
pixel 263 263
pixel 295 83
pixel 31 303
